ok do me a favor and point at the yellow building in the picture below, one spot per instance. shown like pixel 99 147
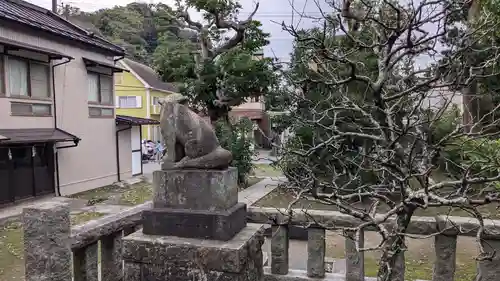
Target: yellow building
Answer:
pixel 138 92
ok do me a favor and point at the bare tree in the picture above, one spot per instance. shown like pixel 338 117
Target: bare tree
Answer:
pixel 367 115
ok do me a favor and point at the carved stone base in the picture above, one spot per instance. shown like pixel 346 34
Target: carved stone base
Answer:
pixel 218 225
pixel 211 190
pixel 171 258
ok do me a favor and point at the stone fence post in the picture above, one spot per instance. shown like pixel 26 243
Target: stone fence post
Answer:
pixel 47 248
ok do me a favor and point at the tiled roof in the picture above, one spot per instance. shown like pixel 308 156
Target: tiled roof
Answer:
pixel 113 67
pixel 37 17
pixel 35 135
pixel 131 120
pixel 150 76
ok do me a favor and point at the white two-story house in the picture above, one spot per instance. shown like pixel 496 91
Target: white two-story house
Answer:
pixel 58 132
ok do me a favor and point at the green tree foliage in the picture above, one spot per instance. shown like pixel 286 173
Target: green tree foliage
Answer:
pixel 237 139
pixel 219 69
pixel 361 125
pixel 212 59
pixel 310 74
pixel 480 88
pixel 137 27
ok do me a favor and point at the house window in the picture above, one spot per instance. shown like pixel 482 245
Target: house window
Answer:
pixel 101 112
pixel 27 79
pixel 100 88
pixel 155 101
pixel 30 109
pixel 129 102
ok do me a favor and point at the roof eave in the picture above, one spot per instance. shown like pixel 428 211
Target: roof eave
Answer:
pixel 161 90
pixel 147 86
pixel 122 53
pixel 110 51
pixel 137 76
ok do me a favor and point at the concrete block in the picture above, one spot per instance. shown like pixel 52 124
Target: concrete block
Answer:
pixel 211 190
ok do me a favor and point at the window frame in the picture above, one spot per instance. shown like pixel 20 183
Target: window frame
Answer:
pixel 99 89
pixel 5 74
pixel 119 105
pixel 32 114
pixel 157 101
pixel 112 116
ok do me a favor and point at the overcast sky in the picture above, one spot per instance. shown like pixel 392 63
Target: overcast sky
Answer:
pixel 270 13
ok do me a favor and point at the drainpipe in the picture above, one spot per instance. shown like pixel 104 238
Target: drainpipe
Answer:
pixel 56 156
pixel 118 172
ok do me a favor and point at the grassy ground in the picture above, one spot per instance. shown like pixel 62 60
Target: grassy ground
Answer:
pixel 264 170
pixel 129 195
pixel 144 192
pixel 11 247
pixel 101 194
pixel 140 193
pixel 419 258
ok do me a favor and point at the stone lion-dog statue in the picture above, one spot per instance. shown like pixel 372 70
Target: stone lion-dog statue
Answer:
pixel 190 141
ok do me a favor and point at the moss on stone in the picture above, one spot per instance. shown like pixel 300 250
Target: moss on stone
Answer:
pixel 84 217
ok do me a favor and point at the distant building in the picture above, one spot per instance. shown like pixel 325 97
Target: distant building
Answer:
pixel 138 92
pixel 255 109
pixel 435 99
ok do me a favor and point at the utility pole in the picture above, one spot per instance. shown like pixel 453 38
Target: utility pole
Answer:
pixel 54 6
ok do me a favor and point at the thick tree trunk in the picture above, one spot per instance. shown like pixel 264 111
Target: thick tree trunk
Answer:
pixel 470 99
pixel 392 263
pixel 216 113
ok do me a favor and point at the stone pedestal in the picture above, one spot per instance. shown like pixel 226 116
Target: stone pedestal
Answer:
pixel 195 204
pixel 171 258
pixel 196 231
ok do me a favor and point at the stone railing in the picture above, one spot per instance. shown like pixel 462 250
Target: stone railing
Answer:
pixel 445 244
pixel 58 252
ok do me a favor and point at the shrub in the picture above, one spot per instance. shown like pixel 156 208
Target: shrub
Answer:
pixel 481 156
pixel 323 165
pixel 237 139
pixel 292 165
pixel 445 124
